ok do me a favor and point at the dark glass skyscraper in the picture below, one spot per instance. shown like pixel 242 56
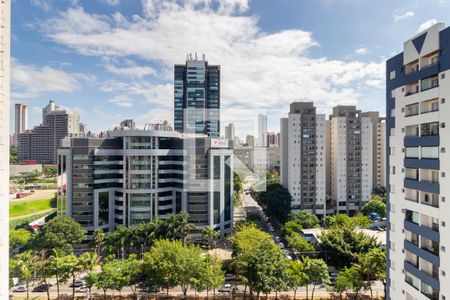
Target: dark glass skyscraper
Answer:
pixel 197 97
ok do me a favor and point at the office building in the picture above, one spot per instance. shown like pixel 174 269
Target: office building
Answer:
pixel 230 132
pixel 303 165
pixel 378 148
pixel 250 141
pixel 273 157
pixel 262 131
pixel 197 97
pixel 134 176
pixel 418 167
pixel 351 160
pixel 20 121
pixel 5 27
pixel 41 142
pixel 128 124
pixel 272 139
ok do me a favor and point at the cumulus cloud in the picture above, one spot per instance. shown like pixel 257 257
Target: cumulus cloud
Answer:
pixel 403 16
pixel 361 51
pixel 122 100
pixel 258 69
pixel 427 24
pixel 130 70
pixel 29 81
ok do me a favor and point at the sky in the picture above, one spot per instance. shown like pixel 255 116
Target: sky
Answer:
pixel 113 59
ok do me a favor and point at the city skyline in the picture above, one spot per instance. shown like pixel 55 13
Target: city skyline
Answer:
pixel 104 82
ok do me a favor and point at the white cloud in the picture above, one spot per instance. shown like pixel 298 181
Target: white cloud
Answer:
pixel 29 81
pixel 258 69
pixel 156 115
pixel 403 16
pixel 122 100
pixel 130 70
pixel 42 4
pixel 111 2
pixel 361 51
pixel 427 24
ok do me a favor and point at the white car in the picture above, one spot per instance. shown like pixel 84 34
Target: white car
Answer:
pixel 271 228
pixel 81 289
pixel 281 245
pixel 20 288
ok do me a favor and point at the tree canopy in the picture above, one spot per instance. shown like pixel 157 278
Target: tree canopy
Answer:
pixel 375 206
pixel 305 219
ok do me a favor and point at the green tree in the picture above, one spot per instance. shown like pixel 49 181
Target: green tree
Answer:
pixel 345 245
pixel 340 220
pixel 49 171
pixel 89 261
pixel 375 206
pixel 23 266
pixel 13 155
pixel 210 236
pixel 170 263
pixel 19 238
pixel 296 275
pixel 316 271
pixel 183 227
pixel 71 264
pixel 372 266
pixel 276 201
pixel 213 275
pixel 350 278
pixel 343 282
pixel 43 269
pixel 98 239
pixel 106 280
pixel 59 268
pixel 304 219
pixel 61 232
pixel 289 228
pixel 299 243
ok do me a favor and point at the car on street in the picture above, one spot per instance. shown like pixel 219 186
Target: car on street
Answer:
pixel 77 283
pixel 81 289
pixel 281 245
pixel 277 239
pixel 20 288
pixel 226 288
pixel 271 228
pixel 229 277
pixel 42 288
pixel 333 276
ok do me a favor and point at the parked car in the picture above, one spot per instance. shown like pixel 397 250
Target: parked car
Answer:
pixel 77 283
pixel 277 239
pixel 333 276
pixel 42 287
pixel 20 288
pixel 271 228
pixel 81 289
pixel 226 288
pixel 229 277
pixel 281 245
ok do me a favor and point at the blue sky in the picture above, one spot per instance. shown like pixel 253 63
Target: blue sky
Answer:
pixel 113 59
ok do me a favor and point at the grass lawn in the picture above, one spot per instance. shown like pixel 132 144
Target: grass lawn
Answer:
pixel 20 222
pixel 28 206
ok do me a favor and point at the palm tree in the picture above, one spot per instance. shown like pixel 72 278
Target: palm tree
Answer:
pixel 25 267
pixel 210 235
pixel 98 238
pixel 123 236
pixel 89 261
pixel 170 226
pixel 183 227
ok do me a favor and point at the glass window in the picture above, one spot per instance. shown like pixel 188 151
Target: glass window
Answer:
pixel 412 152
pixel 430 152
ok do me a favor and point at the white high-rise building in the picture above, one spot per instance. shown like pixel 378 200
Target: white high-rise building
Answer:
pixel 262 131
pixel 303 158
pixel 230 132
pixel 5 17
pixel 418 167
pixel 351 160
pixel 20 120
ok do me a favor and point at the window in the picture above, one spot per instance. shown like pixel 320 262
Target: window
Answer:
pixel 412 152
pixel 428 129
pixel 412 109
pixel 430 152
pixel 412 131
pixel 392 75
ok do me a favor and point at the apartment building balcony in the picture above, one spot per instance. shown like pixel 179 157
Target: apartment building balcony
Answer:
pixel 425 254
pixel 425 278
pixel 429 83
pixel 425 186
pixel 422 230
pixel 424 163
pixel 426 141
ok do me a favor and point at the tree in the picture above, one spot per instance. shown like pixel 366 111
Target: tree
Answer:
pixel 210 236
pixel 71 265
pixel 119 273
pixel 374 206
pixel 43 269
pixel 276 200
pixel 296 275
pixel 98 239
pixel 89 261
pixel 304 219
pixel 13 155
pixel 23 266
pixel 59 268
pixel 170 263
pixel 372 266
pixel 213 275
pixel 346 245
pixel 61 232
pixel 349 278
pixel 49 171
pixel 316 271
pixel 105 279
pixel 289 228
pixel 183 227
pixel 18 238
pixel 132 272
pixel 299 243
